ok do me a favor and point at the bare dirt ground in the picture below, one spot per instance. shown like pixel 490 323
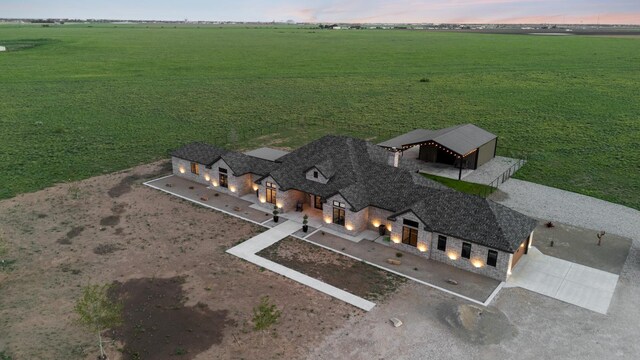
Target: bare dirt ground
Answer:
pixel 334 269
pixel 168 258
pixel 518 324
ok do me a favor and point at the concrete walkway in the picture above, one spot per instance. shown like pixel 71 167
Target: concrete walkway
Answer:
pixel 572 283
pixel 248 249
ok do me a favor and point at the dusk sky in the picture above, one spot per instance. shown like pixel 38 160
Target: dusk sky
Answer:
pixel 398 11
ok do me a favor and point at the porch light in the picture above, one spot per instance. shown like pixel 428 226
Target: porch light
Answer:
pixel 452 256
pixel 349 227
pixel 477 263
pixel 181 169
pixel 255 187
pixel 422 247
pixel 232 188
pixel 389 227
pixel 327 219
pixel 279 205
pixel 376 223
pixel 263 199
pixel 214 183
pixel 395 239
pixel 207 177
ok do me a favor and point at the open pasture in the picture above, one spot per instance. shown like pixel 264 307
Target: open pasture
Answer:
pixel 82 100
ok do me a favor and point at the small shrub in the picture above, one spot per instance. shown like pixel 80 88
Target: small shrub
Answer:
pixel 265 314
pixel 399 254
pixel 549 224
pixel 180 351
pixel 425 80
pixel 386 239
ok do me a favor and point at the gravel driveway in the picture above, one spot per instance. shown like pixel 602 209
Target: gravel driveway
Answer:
pixel 570 208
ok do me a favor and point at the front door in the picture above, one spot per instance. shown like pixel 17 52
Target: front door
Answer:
pixel 317 202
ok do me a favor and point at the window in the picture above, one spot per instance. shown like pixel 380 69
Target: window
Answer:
pixel 194 168
pixel 315 174
pixel 410 223
pixel 222 170
pixel 409 236
pixel 317 202
pixel 492 258
pixel 338 204
pixel 442 243
pixel 271 193
pixel 224 180
pixel 466 250
pixel 338 216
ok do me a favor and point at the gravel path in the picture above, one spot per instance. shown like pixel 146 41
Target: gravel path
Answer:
pixel 570 208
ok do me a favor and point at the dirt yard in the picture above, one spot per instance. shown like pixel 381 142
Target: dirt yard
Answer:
pixel 338 270
pixel 167 259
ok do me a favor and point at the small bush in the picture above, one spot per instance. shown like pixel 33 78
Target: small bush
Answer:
pixel 265 314
pixel 399 254
pixel 425 80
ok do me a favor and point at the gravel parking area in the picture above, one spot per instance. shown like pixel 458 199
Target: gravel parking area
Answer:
pixel 533 327
pixel 570 208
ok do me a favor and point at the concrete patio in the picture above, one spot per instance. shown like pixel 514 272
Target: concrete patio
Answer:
pixel 485 174
pixel 471 286
pixel 563 280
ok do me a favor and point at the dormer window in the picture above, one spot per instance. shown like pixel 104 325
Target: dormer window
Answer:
pixel 315 174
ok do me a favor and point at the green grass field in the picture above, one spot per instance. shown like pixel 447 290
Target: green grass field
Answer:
pixel 76 101
pixel 463 186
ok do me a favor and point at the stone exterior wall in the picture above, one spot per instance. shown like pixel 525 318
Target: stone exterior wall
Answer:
pixel 451 255
pixel 357 221
pixel 479 254
pixel 286 200
pixel 423 247
pixel 320 178
pixel 182 168
pixel 378 216
pixel 238 185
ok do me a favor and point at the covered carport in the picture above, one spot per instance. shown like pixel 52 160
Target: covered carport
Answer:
pixel 462 146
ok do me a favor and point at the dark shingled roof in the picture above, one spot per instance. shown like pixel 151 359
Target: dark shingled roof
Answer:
pixel 474 219
pixel 360 173
pixel 199 152
pixel 461 138
pixel 239 163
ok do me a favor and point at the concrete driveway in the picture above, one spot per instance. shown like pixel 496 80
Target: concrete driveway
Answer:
pixel 563 280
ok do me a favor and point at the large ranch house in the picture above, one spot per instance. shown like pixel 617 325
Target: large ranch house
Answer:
pixel 350 184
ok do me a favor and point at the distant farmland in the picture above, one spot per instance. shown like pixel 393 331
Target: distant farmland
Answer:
pixel 81 100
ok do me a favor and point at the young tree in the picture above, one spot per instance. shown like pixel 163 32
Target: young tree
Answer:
pixel 97 312
pixel 265 315
pixel 600 235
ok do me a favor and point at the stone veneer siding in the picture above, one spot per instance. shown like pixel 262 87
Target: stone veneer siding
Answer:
pixel 424 237
pixel 180 165
pixel 358 220
pixel 454 247
pixel 321 179
pixel 242 184
pixel 287 200
pixel 378 215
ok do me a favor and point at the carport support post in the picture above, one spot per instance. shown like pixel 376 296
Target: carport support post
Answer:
pixel 460 171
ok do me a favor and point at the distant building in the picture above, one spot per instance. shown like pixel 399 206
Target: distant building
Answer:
pixel 2 48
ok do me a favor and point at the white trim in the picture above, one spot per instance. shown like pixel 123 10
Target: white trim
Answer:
pixel 494 293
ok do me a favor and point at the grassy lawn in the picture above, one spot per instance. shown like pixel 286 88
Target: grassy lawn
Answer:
pixel 81 100
pixel 463 186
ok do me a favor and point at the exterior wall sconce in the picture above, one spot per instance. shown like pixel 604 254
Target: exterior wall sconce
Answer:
pixel 181 169
pixel 207 177
pixel 452 256
pixel 422 247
